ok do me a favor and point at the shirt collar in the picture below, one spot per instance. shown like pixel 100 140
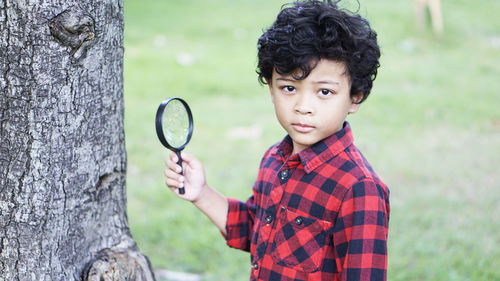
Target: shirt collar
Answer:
pixel 319 152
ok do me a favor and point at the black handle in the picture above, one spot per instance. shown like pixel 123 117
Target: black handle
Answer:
pixel 179 162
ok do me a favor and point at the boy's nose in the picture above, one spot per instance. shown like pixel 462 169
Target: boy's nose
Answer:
pixel 303 105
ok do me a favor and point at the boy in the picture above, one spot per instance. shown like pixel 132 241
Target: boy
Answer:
pixel 318 210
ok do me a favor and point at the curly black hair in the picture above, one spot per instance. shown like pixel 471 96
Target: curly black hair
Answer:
pixel 308 31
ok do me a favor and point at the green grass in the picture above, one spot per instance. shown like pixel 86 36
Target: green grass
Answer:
pixel 431 129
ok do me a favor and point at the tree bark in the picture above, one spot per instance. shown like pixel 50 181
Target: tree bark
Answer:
pixel 62 146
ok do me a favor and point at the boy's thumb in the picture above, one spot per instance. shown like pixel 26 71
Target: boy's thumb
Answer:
pixel 190 159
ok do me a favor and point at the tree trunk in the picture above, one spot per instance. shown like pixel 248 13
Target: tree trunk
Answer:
pixel 62 151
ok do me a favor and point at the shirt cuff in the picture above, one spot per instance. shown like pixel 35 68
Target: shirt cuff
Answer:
pixel 237 225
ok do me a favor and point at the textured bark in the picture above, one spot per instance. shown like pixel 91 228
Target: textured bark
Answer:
pixel 62 151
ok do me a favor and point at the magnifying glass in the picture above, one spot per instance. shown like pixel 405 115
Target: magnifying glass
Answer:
pixel 174 126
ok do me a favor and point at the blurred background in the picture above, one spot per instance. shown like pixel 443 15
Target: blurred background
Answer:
pixel 431 129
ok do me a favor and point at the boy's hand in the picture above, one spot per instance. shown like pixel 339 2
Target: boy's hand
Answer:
pixel 212 203
pixel 193 180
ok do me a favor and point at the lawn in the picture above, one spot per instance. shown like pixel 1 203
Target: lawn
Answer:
pixel 431 129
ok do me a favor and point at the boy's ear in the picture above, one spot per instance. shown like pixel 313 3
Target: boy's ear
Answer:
pixel 356 99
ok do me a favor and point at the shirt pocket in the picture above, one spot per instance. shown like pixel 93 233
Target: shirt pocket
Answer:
pixel 300 242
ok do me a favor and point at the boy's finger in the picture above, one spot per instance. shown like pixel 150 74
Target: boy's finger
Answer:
pixel 173 175
pixel 171 183
pixel 173 157
pixel 171 164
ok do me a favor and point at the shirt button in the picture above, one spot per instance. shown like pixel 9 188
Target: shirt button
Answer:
pixel 255 265
pixel 284 174
pixel 269 219
pixel 298 220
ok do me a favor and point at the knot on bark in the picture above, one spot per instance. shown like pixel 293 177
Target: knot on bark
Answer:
pixel 119 265
pixel 73 28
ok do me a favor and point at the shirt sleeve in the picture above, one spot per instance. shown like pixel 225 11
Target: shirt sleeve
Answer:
pixel 360 233
pixel 240 221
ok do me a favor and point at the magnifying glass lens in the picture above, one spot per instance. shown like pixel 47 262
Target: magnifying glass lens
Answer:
pixel 175 123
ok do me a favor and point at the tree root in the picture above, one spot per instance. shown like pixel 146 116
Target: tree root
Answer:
pixel 118 264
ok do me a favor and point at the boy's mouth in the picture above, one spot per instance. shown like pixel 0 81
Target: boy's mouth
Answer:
pixel 302 128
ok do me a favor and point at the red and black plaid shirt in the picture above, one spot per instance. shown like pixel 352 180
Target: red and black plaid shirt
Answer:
pixel 321 214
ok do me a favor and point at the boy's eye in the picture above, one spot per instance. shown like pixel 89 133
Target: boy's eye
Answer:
pixel 288 89
pixel 325 92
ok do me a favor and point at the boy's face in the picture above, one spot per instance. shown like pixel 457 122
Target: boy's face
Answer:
pixel 313 108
